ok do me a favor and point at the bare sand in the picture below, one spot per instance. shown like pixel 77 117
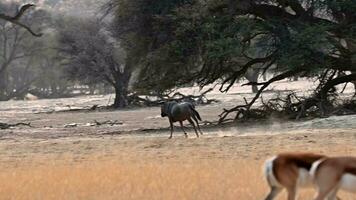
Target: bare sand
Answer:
pixel 136 160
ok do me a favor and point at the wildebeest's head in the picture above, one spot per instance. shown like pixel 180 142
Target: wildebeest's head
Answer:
pixel 166 107
pixel 163 111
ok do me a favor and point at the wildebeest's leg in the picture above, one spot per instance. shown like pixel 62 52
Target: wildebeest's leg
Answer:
pixel 171 124
pixel 196 120
pixel 181 125
pixel 195 129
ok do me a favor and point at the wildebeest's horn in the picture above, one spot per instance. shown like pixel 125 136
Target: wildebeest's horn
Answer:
pixel 161 102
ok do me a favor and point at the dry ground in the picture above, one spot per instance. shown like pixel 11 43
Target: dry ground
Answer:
pixel 137 161
pixel 112 167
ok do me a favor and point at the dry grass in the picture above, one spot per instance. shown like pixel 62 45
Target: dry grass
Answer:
pixel 195 180
pixel 119 180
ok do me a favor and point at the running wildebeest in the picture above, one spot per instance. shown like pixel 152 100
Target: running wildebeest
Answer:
pixel 179 112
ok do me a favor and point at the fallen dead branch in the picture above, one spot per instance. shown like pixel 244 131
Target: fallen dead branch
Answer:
pixel 7 126
pixel 245 109
pixel 108 122
pixel 95 123
pixel 320 104
pixel 290 106
pixel 70 109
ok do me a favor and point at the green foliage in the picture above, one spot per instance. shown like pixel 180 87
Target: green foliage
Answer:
pixel 146 30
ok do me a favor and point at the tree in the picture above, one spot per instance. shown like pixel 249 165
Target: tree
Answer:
pixel 52 82
pixel 17 53
pixel 93 56
pixel 142 27
pixel 221 40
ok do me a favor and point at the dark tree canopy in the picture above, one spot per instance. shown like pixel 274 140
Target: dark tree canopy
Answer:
pixel 144 28
pixel 94 56
pixel 178 42
pixel 225 35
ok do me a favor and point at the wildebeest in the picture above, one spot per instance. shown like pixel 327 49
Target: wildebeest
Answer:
pixel 179 112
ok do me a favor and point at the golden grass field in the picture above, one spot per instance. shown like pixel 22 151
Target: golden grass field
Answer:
pixel 119 180
pixel 156 168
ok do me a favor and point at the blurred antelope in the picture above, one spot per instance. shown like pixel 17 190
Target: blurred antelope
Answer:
pixel 181 112
pixel 332 174
pixel 289 171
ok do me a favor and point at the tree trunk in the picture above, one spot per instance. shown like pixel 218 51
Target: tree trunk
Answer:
pixel 121 89
pixel 120 98
pixel 254 89
pixel 336 81
pixel 295 78
pixel 252 76
pixel 92 89
pixel 264 76
pixel 323 94
pixel 3 86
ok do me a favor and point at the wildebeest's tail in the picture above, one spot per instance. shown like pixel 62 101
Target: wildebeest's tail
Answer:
pixel 195 112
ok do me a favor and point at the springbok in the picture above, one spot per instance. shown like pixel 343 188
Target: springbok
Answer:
pixel 332 174
pixel 289 171
pixel 181 112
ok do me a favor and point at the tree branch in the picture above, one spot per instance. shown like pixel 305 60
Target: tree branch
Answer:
pixel 235 75
pixel 247 107
pixel 294 5
pixel 15 19
pixel 334 82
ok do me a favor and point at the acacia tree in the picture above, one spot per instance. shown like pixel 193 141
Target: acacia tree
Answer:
pixel 142 30
pixel 217 40
pixel 301 37
pixel 94 56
